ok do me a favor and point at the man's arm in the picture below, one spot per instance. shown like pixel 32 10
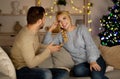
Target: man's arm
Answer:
pixel 32 60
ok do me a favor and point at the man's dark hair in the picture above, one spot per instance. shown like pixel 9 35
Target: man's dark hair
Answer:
pixel 35 13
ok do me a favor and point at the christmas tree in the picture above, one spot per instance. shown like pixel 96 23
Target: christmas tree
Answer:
pixel 110 36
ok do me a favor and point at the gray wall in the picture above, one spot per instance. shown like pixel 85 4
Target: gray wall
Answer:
pixel 100 8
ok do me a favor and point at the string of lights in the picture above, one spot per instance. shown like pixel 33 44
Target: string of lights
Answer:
pixel 75 8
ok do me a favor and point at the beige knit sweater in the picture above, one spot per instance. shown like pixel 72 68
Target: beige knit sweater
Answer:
pixel 25 50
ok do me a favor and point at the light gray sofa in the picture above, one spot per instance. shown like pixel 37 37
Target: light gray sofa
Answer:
pixel 59 59
pixel 115 74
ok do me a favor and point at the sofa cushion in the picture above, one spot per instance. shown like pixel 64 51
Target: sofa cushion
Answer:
pixel 111 55
pixel 115 74
pixel 109 68
pixel 6 65
pixel 62 59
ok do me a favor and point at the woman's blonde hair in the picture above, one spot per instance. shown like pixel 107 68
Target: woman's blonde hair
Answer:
pixel 64 32
pixel 63 12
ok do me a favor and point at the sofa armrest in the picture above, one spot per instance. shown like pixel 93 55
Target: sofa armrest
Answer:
pixel 2 76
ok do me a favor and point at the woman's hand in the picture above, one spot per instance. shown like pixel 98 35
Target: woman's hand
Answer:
pixel 53 26
pixel 95 66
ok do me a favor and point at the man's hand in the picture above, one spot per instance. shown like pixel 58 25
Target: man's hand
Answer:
pixel 53 48
pixel 95 66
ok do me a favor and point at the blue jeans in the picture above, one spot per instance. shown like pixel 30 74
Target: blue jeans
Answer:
pixel 83 70
pixel 41 73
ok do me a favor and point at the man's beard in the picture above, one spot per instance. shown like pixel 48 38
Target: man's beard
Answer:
pixel 41 26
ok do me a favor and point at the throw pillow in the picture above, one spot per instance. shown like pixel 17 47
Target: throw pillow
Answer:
pixel 111 55
pixel 6 66
pixel 47 63
pixel 62 59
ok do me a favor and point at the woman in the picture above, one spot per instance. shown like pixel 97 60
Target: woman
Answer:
pixel 78 42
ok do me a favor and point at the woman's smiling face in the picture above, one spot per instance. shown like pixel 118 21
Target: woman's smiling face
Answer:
pixel 64 21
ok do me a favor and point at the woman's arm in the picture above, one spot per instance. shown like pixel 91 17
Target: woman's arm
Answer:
pixel 49 38
pixel 93 52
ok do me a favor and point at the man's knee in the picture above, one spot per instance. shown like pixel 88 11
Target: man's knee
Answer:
pixel 62 74
pixel 47 74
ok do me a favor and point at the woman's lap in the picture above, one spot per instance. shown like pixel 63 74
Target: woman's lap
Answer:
pixel 83 70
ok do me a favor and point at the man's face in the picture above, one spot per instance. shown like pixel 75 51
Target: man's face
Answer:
pixel 43 22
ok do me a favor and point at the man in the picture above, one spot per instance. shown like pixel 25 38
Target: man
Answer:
pixel 25 55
